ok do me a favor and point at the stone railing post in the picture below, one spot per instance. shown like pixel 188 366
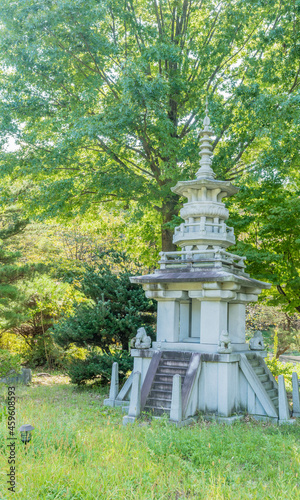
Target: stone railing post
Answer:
pixel 135 400
pixel 114 386
pixel 176 403
pixel 283 407
pixel 296 400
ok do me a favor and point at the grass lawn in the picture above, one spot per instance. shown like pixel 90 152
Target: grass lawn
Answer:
pixel 81 451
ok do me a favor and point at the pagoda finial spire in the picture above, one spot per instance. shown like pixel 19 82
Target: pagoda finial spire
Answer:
pixel 205 170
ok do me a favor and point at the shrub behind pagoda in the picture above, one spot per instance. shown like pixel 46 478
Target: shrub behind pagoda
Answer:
pixel 105 323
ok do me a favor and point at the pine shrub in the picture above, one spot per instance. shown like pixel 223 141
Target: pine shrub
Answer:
pixel 98 367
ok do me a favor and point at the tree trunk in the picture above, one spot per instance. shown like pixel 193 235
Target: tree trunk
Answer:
pixel 281 351
pixel 167 244
pixel 168 210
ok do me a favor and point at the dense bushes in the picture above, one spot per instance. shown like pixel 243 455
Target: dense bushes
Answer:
pixel 98 366
pixel 277 368
pixel 113 311
pixel 9 362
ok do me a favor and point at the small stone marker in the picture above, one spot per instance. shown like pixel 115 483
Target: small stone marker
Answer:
pixel 135 400
pixel 114 386
pixel 14 378
pixel 176 404
pixel 284 410
pixel 296 400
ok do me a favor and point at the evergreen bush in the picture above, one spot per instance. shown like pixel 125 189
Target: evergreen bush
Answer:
pixel 114 310
pixel 98 366
pixel 9 362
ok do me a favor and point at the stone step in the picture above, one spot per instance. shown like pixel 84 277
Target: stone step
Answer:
pixel 273 393
pixel 158 403
pixel 162 386
pixel 163 378
pixel 263 378
pixel 183 356
pixel 267 385
pixel 254 362
pixel 160 396
pixel 158 393
pixel 251 355
pixel 259 370
pixel 275 402
pixel 174 363
pixel 157 411
pixel 168 370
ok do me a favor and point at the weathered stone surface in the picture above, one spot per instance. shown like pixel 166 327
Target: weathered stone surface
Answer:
pixel 141 340
pixel 24 377
pixel 202 291
pixel 135 400
pixel 296 399
pixel 114 386
pixel 224 343
pixel 208 274
pixel 176 403
pixel 257 342
pixel 284 410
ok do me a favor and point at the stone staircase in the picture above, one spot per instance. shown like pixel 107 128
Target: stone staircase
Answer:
pixel 265 377
pixel 159 398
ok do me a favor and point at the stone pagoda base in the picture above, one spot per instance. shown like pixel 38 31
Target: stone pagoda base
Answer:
pixel 184 384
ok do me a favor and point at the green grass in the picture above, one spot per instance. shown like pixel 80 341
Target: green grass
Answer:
pixel 81 451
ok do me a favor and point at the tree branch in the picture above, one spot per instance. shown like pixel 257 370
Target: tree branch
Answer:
pixel 295 81
pixel 118 160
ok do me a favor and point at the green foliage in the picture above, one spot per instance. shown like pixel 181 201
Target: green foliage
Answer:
pixel 277 368
pixel 269 234
pixel 105 99
pixel 41 301
pixel 98 366
pixel 42 351
pixel 115 309
pixel 9 362
pixel 12 270
pixel 271 319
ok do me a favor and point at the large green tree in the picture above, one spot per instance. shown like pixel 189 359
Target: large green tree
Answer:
pixel 12 270
pixel 105 98
pixel 268 232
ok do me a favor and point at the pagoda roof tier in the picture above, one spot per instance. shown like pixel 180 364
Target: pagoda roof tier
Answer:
pixel 182 187
pixel 203 275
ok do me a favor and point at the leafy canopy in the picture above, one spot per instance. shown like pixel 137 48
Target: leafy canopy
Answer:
pixel 105 98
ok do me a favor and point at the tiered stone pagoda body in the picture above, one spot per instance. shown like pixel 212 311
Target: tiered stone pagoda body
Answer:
pixel 202 291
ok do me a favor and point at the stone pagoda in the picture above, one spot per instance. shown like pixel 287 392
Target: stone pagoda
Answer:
pixel 201 361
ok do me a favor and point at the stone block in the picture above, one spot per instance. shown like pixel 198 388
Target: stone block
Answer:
pixel 213 321
pixel 236 323
pixel 167 321
pixel 296 400
pixel 114 386
pixel 134 410
pixel 284 410
pixel 176 403
pixel 14 378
